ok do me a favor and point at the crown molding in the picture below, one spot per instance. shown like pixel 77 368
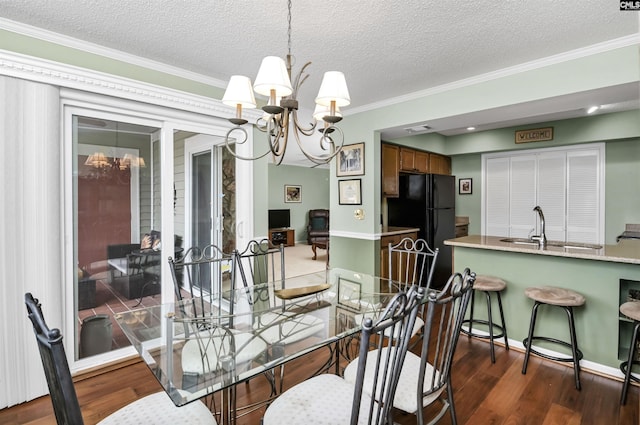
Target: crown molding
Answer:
pixel 85 46
pixel 63 75
pixel 606 46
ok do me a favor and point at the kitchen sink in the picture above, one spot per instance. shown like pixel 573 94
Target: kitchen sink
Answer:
pixel 575 245
pixel 519 241
pixel 568 245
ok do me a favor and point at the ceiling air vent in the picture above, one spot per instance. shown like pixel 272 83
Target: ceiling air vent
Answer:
pixel 418 129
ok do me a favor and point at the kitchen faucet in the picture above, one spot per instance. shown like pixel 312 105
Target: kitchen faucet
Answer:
pixel 541 238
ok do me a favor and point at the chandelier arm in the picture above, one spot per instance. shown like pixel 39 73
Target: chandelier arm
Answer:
pixel 240 142
pixel 278 140
pixel 307 131
pixel 326 139
pixel 299 81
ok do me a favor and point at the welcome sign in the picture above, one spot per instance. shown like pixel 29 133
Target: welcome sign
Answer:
pixel 534 135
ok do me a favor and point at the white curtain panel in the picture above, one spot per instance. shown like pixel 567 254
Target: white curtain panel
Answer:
pixel 30 229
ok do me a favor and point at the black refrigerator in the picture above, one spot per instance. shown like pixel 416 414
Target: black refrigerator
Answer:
pixel 427 201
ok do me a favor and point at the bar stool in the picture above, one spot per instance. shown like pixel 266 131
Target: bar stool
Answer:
pixel 489 285
pixel 630 309
pixel 559 297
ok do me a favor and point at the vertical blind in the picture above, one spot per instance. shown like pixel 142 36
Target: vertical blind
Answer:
pixel 30 230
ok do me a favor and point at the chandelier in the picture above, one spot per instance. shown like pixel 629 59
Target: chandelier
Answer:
pixel 281 112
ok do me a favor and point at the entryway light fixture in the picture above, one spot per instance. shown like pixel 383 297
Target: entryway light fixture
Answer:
pixel 281 112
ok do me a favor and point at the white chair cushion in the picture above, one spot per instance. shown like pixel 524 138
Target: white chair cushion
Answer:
pixel 406 393
pixel 248 347
pixel 274 328
pixel 158 409
pixel 322 400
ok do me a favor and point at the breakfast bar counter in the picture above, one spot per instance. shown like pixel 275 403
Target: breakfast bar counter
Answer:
pixel 607 276
pixel 626 251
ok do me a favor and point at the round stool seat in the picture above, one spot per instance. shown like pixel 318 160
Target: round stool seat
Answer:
pixel 489 283
pixel 631 309
pixel 555 296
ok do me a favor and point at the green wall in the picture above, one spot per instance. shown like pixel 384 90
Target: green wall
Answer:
pixel 593 71
pixel 597 322
pixel 315 193
pixel 599 70
pixel 620 131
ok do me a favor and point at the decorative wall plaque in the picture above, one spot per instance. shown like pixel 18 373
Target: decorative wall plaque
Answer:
pixel 534 135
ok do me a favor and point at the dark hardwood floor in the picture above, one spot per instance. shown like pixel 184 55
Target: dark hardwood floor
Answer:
pixel 485 393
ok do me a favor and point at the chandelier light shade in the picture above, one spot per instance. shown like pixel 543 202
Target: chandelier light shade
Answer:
pixel 97 160
pixel 273 78
pixel 333 89
pixel 129 160
pixel 239 95
pixel 280 118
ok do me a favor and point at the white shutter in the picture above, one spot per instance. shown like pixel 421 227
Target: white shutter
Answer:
pixel 496 197
pixel 567 183
pixel 523 195
pixel 583 200
pixel 552 193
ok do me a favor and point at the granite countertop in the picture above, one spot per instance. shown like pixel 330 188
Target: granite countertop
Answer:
pixel 392 230
pixel 626 251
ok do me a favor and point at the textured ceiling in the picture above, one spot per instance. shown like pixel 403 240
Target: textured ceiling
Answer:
pixel 385 48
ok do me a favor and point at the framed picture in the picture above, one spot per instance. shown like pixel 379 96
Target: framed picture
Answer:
pixel 349 192
pixel 464 186
pixel 349 294
pixel 292 193
pixel 350 161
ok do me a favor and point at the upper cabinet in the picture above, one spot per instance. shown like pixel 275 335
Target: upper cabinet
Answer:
pixel 439 164
pixel 413 161
pixel 390 170
pixel 398 159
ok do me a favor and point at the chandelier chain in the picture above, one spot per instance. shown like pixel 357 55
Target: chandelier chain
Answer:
pixel 289 29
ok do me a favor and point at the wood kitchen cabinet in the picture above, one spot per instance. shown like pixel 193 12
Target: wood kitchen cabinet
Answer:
pixel 413 161
pixel 390 170
pixel 439 164
pixel 397 159
pixel 392 239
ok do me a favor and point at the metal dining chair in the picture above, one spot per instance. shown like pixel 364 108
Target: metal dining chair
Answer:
pixel 412 261
pixel 426 378
pixel 329 399
pixel 208 277
pixel 153 409
pixel 259 263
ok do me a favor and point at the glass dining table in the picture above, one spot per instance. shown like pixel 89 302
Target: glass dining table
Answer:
pixel 255 330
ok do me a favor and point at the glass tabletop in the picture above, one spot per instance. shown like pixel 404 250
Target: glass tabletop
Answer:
pixel 195 349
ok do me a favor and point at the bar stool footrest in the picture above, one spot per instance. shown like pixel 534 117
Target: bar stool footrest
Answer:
pixel 623 369
pixel 555 341
pixel 482 322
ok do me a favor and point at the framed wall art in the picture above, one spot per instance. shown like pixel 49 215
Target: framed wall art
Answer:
pixel 350 161
pixel 292 193
pixel 349 192
pixel 464 186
